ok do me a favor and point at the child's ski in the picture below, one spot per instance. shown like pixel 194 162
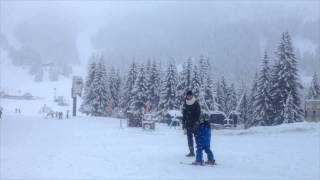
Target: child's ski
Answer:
pixel 187 163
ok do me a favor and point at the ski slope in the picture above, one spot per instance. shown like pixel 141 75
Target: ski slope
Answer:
pixel 32 147
pixel 97 148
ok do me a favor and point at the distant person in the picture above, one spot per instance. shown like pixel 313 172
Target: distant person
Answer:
pixel 60 115
pixel 1 112
pixel 67 115
pixel 44 108
pixel 51 113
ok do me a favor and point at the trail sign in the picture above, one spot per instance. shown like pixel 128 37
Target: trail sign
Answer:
pixel 76 90
pixel 77 86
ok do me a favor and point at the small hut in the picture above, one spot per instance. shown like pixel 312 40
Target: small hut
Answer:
pixel 312 110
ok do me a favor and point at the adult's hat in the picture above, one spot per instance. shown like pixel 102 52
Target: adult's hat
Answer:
pixel 189 93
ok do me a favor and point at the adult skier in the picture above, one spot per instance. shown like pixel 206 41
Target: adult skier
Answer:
pixel 191 114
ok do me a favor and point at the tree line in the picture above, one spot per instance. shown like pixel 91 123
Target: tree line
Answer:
pixel 273 98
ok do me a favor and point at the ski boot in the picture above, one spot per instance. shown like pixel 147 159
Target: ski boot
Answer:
pixel 191 154
pixel 210 162
pixel 198 163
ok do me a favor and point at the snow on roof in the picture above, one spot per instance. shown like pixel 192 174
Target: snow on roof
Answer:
pixel 313 100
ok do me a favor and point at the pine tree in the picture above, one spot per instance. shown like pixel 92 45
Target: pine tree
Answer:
pixel 285 80
pixel 139 90
pixel 231 99
pixel 130 80
pixel 218 97
pixel 153 85
pixel 289 110
pixel 196 82
pixel 208 93
pixel 263 100
pixel 87 97
pixel 222 93
pixel 206 82
pixel 118 89
pixel 185 80
pixel 113 89
pixel 100 89
pixel 252 121
pixel 244 110
pixel 204 69
pixel 314 90
pixel 168 95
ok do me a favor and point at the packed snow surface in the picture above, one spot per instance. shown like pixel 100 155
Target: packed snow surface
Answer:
pixel 33 147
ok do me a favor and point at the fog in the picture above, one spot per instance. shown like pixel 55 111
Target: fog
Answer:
pixel 233 34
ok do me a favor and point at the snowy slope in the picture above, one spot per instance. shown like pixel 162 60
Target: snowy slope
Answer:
pixel 96 148
pixel 16 81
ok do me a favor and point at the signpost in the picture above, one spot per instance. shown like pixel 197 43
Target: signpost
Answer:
pixel 76 90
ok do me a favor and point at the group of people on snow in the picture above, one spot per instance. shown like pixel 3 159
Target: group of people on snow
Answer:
pixel 17 110
pixel 57 114
pixel 198 128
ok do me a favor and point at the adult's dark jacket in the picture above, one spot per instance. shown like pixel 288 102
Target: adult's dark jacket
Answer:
pixel 191 114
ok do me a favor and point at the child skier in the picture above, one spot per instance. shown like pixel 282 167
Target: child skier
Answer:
pixel 203 138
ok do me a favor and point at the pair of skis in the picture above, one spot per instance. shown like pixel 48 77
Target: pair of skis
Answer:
pixel 188 163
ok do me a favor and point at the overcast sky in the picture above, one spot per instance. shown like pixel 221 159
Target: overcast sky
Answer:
pixel 160 30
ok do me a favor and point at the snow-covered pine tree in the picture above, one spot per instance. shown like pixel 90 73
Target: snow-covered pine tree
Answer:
pixel 314 90
pixel 252 111
pixel 87 97
pixel 244 110
pixel 168 94
pixel 113 91
pixel 128 87
pixel 153 83
pixel 208 93
pixel 206 82
pixel 185 80
pixel 231 99
pixel 203 69
pixel 285 80
pixel 221 96
pixel 148 71
pixel 196 82
pixel 139 96
pixel 118 89
pixel 289 110
pixel 100 89
pixel 263 99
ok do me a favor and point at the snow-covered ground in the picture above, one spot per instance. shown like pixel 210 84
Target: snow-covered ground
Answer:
pixel 97 148
pixel 32 147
